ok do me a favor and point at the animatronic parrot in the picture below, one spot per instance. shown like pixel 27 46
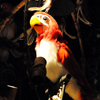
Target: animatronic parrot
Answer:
pixel 60 60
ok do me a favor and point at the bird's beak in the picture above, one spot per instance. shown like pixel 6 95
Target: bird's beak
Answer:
pixel 36 24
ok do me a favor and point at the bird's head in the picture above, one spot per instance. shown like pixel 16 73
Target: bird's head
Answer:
pixel 45 25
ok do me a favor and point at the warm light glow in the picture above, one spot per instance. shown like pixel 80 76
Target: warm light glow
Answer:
pixel 12 86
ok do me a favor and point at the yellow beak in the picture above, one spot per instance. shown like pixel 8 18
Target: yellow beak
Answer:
pixel 36 24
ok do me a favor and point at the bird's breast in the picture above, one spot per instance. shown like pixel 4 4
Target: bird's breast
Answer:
pixel 48 50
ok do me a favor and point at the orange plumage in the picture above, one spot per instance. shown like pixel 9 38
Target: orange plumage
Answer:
pixel 60 60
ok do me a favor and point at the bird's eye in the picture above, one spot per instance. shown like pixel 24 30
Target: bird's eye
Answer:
pixel 44 18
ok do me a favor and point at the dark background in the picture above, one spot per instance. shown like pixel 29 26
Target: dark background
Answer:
pixel 90 36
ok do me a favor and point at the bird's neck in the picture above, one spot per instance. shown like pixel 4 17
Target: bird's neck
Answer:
pixel 51 34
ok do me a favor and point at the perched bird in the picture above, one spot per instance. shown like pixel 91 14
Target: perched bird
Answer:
pixel 60 60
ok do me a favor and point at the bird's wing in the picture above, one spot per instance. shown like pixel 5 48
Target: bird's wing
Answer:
pixel 66 57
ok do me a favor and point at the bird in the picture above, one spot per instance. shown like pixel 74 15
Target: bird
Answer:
pixel 60 59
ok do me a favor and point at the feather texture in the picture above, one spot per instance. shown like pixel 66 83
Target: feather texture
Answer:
pixel 60 59
pixel 48 50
